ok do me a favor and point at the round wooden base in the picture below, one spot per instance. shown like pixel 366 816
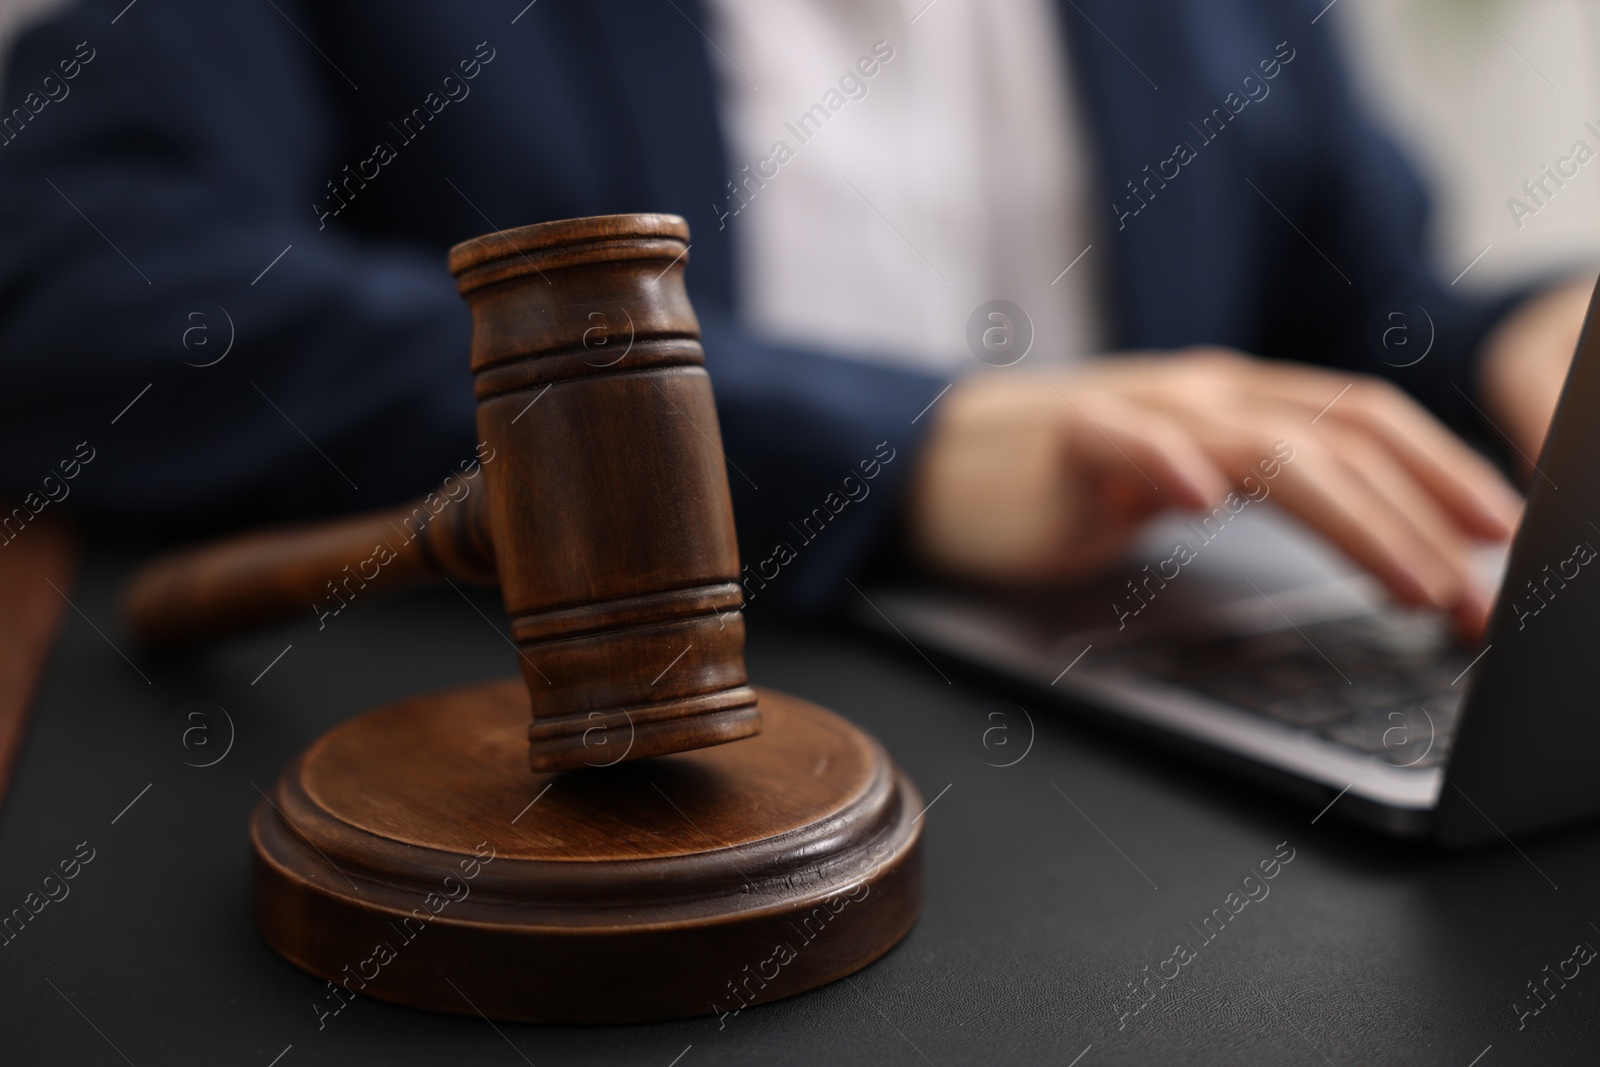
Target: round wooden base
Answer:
pixel 409 855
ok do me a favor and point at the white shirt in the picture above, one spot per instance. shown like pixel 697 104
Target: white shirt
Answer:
pixel 879 212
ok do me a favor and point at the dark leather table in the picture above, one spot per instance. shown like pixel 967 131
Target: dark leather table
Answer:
pixel 1052 884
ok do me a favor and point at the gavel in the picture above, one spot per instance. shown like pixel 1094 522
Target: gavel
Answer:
pixel 547 883
pixel 260 577
pixel 618 565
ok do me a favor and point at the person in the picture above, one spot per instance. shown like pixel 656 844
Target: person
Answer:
pixel 225 224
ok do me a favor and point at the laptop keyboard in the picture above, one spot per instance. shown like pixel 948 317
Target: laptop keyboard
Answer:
pixel 1380 684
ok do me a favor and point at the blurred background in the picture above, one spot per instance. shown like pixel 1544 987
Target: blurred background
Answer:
pixel 1482 94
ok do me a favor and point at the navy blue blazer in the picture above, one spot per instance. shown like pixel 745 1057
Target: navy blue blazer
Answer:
pixel 188 158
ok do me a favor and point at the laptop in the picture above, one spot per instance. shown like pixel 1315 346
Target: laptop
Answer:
pixel 1271 655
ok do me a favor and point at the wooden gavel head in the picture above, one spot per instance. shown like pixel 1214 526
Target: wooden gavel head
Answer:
pixel 608 504
pixel 602 505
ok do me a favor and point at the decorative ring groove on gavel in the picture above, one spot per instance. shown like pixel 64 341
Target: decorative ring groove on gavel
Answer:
pixel 607 506
pixel 640 354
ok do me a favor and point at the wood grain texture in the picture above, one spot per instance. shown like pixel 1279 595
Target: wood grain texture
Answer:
pixel 36 571
pixel 609 507
pixel 691 884
pixel 209 592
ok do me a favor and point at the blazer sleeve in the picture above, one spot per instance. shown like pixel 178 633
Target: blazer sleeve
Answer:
pixel 820 452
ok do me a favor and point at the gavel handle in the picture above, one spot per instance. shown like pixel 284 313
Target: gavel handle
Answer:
pixel 312 568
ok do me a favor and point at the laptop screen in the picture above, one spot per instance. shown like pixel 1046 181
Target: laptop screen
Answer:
pixel 1528 751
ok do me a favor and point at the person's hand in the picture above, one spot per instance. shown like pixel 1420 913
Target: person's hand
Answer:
pixel 1524 363
pixel 1046 477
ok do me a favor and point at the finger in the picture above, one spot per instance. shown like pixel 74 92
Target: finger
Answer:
pixel 1474 493
pixel 1371 462
pixel 1320 489
pixel 1324 493
pixel 1135 442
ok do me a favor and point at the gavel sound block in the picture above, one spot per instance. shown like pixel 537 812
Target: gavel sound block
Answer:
pixel 667 841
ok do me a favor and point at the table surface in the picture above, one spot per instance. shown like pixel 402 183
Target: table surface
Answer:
pixel 1063 868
